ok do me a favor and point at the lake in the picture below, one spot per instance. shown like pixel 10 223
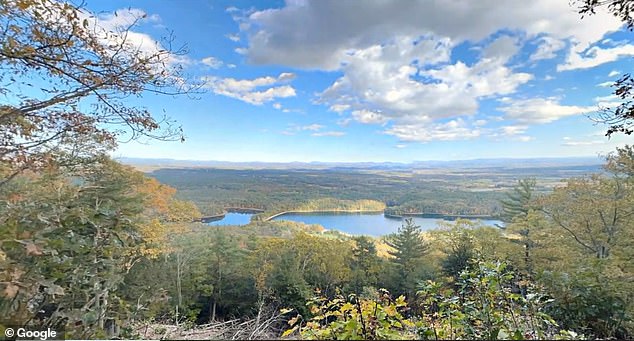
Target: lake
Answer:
pixel 232 219
pixel 373 224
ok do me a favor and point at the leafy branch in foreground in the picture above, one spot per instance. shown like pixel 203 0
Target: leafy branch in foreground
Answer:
pixel 68 77
pixel 487 304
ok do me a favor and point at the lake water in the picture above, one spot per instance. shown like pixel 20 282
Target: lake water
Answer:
pixel 233 219
pixel 375 224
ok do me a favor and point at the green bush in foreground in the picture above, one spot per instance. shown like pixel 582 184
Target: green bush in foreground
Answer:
pixel 485 303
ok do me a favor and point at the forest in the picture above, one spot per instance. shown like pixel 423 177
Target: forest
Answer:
pixel 98 250
pixel 457 191
pixel 117 253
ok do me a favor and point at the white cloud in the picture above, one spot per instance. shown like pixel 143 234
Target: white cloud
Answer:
pixel 294 129
pixel 277 106
pixel 513 130
pixel 212 62
pixel 396 63
pixel 547 48
pixel 391 83
pixel 231 9
pixel 311 127
pixel 609 101
pixel 607 98
pixel 401 146
pixel 233 37
pixel 453 130
pixel 614 73
pixel 295 35
pixel 367 116
pixel 504 47
pixel 329 133
pixel 119 28
pixel 286 76
pixel 541 110
pixel 583 143
pixel 605 84
pixel 247 89
pixel 595 56
pixel 339 107
pixel 344 122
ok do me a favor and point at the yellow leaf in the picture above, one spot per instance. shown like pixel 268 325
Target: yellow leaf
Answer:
pixel 23 5
pixel 294 320
pixel 288 332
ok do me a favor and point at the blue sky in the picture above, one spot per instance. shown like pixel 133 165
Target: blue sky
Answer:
pixel 384 80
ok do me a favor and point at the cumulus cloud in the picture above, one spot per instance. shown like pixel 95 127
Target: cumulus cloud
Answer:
pixel 212 62
pixel 396 66
pixel 409 83
pixel 453 130
pixel 547 48
pixel 367 116
pixel 254 91
pixel 541 110
pixel 595 56
pixel 119 28
pixel 295 34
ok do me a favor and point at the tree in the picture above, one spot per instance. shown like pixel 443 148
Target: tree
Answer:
pixel 518 203
pixel 365 264
pixel 621 163
pixel 409 248
pixel 621 118
pixel 461 251
pixel 595 213
pixel 68 77
pixel 518 211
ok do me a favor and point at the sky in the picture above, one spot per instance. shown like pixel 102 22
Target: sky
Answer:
pixel 399 81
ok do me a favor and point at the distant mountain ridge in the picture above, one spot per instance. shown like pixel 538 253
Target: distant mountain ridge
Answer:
pixel 432 164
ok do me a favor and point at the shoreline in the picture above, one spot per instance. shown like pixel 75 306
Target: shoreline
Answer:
pixel 441 216
pixel 220 216
pixel 322 211
pixel 393 216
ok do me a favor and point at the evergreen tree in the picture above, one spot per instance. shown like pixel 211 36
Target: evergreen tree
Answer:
pixel 365 264
pixel 409 250
pixel 461 253
pixel 518 203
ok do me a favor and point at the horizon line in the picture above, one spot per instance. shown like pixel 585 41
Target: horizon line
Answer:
pixel 598 157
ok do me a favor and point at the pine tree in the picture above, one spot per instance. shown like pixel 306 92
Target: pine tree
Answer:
pixel 365 263
pixel 518 203
pixel 409 250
